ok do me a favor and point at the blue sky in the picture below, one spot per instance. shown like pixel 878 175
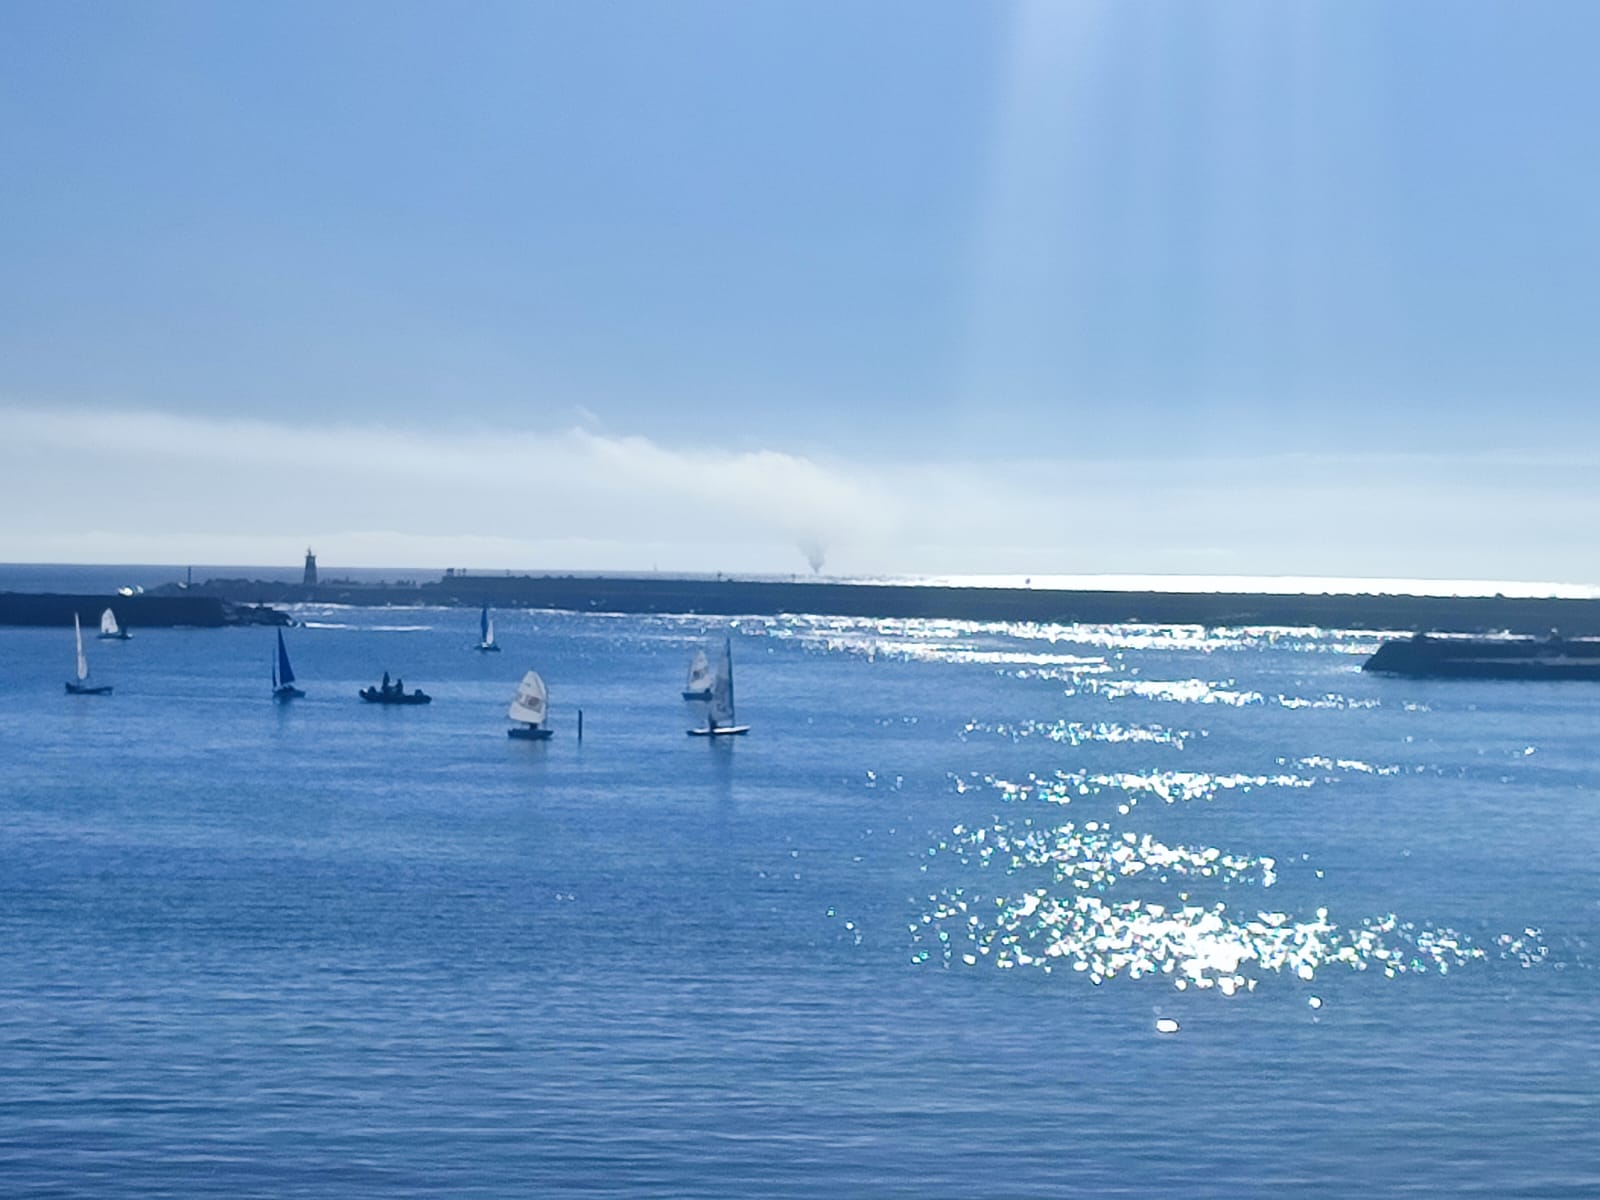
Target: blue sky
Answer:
pixel 1242 288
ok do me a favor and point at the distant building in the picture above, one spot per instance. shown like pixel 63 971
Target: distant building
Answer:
pixel 311 569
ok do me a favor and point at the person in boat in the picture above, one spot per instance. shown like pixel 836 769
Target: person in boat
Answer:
pixel 399 686
pixel 385 687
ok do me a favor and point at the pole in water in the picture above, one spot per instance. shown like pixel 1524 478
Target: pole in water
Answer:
pixel 580 724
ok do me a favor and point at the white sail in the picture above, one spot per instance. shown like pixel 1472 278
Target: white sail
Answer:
pixel 488 632
pixel 699 673
pixel 83 663
pixel 108 624
pixel 722 690
pixel 531 702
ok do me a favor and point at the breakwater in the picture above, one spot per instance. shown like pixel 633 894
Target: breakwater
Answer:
pixel 1488 658
pixel 740 597
pixel 147 610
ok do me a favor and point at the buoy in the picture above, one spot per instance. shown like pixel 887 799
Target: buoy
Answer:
pixel 1166 1025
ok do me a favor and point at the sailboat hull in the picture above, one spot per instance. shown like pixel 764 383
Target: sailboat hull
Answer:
pixel 487 648
pixel 287 693
pixel 84 689
pixel 701 694
pixel 530 733
pixel 115 637
pixel 719 731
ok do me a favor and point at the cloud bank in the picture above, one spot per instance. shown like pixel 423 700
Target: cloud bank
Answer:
pixel 153 480
pixel 98 484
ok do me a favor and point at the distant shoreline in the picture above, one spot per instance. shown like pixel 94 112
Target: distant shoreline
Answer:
pixel 767 597
pixel 218 601
pixel 90 578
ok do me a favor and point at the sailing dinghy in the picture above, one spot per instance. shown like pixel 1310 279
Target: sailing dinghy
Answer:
pixel 283 674
pixel 110 630
pixel 699 685
pixel 83 687
pixel 486 633
pixel 529 708
pixel 720 720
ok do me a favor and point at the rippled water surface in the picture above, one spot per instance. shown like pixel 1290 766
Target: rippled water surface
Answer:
pixel 912 936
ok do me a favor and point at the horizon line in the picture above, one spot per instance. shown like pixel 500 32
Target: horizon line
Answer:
pixel 1265 584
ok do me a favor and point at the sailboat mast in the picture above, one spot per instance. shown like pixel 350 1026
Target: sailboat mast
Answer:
pixel 727 659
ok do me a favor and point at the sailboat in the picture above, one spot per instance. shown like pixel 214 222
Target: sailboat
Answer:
pixel 109 629
pixel 699 685
pixel 283 674
pixel 530 707
pixel 720 721
pixel 83 687
pixel 486 633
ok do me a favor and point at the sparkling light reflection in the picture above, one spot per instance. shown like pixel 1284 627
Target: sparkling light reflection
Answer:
pixel 1070 923
pixel 1077 733
pixel 1100 900
pixel 1171 787
pixel 936 639
pixel 1201 691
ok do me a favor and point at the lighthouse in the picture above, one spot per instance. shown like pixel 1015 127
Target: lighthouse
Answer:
pixel 311 569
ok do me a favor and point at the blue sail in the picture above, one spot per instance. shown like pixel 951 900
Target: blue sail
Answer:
pixel 483 624
pixel 285 671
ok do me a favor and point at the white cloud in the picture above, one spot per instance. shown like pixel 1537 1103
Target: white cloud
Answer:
pixel 137 480
pixel 118 486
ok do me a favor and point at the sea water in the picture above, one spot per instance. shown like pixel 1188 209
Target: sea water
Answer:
pixel 918 934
